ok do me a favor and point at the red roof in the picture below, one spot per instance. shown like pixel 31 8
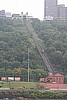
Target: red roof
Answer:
pixel 58 74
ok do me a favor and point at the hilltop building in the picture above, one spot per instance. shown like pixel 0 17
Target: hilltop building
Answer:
pixel 16 16
pixel 8 14
pixel 25 16
pixel 21 16
pixel 2 13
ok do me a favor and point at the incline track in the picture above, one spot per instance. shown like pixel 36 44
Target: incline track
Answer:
pixel 33 35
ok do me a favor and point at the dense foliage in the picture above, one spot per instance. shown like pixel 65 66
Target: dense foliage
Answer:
pixel 54 36
pixel 44 95
pixel 14 44
pixel 33 94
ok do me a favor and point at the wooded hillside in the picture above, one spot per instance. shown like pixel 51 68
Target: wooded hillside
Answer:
pixel 54 36
pixel 14 43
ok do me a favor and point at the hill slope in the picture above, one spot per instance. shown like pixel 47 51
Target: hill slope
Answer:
pixel 54 36
pixel 14 43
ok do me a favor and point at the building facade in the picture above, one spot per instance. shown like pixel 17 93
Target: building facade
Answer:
pixel 66 12
pixel 54 11
pixel 8 15
pixel 61 11
pixel 56 79
pixel 50 8
pixel 2 13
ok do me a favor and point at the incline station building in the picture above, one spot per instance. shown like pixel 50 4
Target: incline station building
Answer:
pixel 54 82
pixel 57 78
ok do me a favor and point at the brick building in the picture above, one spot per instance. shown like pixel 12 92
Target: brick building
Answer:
pixel 57 78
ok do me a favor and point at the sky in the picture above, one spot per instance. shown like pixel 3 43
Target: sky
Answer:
pixel 34 8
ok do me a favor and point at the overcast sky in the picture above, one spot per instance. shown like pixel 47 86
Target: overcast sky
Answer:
pixel 33 7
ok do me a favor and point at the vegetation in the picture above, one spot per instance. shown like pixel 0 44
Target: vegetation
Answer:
pixel 19 85
pixel 31 90
pixel 14 43
pixel 54 37
pixel 35 94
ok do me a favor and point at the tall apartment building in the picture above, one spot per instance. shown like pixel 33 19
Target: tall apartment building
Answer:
pixel 66 12
pixel 53 10
pixel 61 11
pixel 50 8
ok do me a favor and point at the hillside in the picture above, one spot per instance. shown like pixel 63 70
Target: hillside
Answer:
pixel 14 44
pixel 54 36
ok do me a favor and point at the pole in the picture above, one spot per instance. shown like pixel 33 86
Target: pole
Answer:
pixel 28 66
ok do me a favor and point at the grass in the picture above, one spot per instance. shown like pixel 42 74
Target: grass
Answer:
pixel 23 85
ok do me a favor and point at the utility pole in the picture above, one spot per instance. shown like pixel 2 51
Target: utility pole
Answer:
pixel 28 67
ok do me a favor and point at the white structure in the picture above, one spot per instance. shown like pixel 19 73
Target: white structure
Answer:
pixel 25 16
pixel 49 18
pixel 8 14
pixel 10 78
